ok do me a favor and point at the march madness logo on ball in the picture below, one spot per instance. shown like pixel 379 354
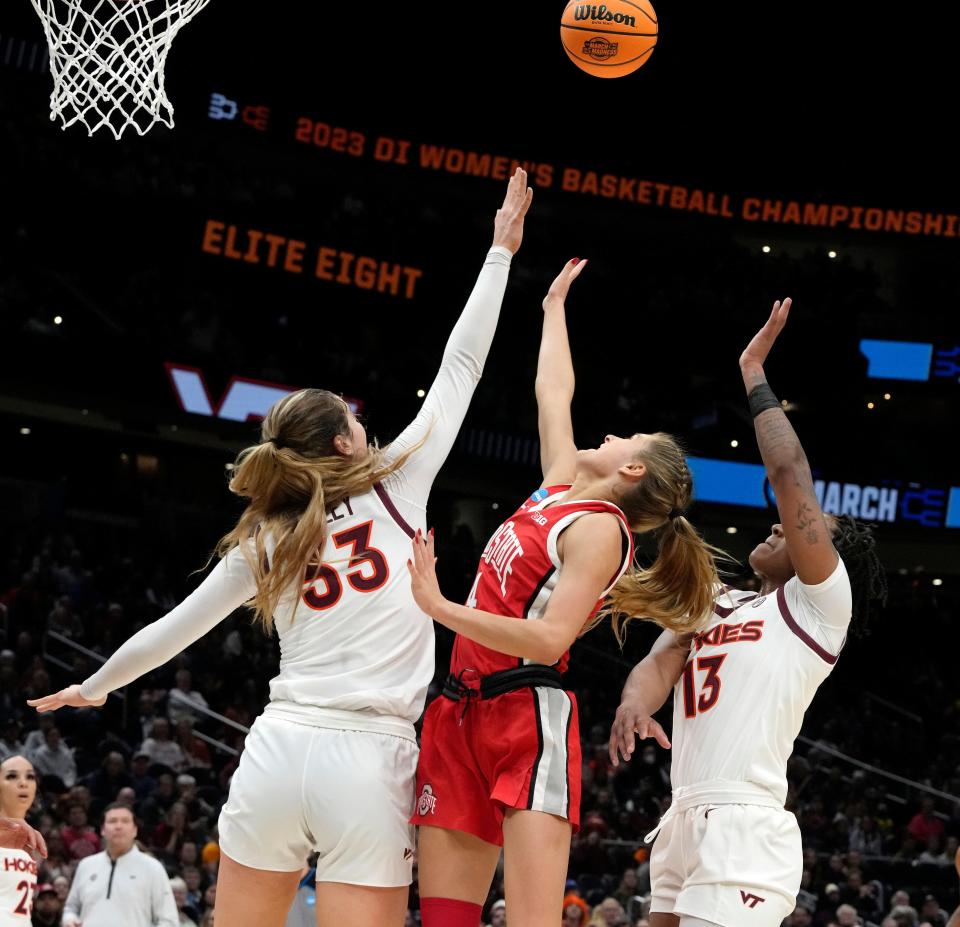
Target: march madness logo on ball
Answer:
pixel 599 48
pixel 427 803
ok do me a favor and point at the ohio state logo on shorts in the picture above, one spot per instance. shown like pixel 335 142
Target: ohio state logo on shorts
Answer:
pixel 427 803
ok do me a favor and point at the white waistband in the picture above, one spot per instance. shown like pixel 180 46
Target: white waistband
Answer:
pixel 715 792
pixel 340 719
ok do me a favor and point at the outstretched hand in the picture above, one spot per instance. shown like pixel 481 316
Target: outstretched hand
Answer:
pixel 65 698
pixel 756 352
pixel 508 224
pixel 423 575
pixel 561 284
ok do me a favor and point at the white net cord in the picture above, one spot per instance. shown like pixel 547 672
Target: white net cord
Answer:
pixel 107 59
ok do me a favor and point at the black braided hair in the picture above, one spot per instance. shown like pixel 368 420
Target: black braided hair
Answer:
pixel 856 546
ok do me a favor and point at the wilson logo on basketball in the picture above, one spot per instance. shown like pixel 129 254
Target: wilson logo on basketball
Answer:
pixel 427 803
pixel 599 48
pixel 602 14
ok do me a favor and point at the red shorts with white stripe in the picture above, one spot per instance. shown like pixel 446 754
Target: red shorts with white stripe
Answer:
pixel 480 757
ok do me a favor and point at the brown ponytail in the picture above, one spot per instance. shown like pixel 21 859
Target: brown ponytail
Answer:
pixel 293 479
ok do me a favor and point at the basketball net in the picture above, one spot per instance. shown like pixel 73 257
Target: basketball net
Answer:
pixel 107 59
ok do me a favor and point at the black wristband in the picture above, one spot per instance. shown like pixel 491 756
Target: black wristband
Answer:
pixel 761 398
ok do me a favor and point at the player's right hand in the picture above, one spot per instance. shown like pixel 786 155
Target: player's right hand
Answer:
pixel 508 224
pixel 19 835
pixel 561 284
pixel 69 697
pixel 632 721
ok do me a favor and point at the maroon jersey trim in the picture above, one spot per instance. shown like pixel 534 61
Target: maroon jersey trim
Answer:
pixel 824 655
pixel 392 509
pixel 723 612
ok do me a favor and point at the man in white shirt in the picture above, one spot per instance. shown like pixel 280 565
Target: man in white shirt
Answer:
pixel 120 887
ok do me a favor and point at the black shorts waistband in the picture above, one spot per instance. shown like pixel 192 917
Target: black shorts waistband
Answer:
pixel 509 680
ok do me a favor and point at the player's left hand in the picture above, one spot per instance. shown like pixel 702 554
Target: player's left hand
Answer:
pixel 423 575
pixel 756 352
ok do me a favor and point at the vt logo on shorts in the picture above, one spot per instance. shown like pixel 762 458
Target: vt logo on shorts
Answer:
pixel 751 901
pixel 427 803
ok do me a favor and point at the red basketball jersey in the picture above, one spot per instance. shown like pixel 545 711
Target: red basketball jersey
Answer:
pixel 520 568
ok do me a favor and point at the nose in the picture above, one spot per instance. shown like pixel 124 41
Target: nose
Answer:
pixel 608 439
pixel 777 530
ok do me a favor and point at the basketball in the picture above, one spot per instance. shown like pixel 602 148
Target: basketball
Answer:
pixel 609 39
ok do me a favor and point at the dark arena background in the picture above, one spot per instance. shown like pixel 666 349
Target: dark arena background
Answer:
pixel 317 218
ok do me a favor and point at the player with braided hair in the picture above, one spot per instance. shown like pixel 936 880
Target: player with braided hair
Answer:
pixel 728 854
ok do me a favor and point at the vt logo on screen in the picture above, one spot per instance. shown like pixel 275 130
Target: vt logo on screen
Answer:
pixel 244 400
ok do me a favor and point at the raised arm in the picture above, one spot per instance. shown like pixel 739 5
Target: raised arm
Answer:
pixel 807 537
pixel 644 693
pixel 555 383
pixel 446 403
pixel 229 585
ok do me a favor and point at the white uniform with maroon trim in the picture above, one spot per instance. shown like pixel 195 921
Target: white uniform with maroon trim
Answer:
pixel 727 851
pixel 330 764
pixel 18 880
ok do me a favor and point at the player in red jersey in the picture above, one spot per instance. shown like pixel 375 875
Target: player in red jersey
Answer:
pixel 500 760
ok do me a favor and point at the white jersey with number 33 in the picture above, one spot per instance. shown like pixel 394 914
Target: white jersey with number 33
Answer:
pixel 750 676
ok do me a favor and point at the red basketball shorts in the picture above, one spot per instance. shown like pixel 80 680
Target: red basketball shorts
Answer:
pixel 481 757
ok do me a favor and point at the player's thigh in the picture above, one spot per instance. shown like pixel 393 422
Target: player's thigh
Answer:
pixel 661 919
pixel 360 905
pixel 455 864
pixel 536 854
pixel 249 897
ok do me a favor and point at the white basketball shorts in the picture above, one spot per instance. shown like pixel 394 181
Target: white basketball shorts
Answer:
pixel 347 795
pixel 733 865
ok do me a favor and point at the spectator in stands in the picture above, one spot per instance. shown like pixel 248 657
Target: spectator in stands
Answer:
pixel 36 738
pixel 161 749
pixel 924 824
pixel 498 913
pixel 112 776
pixel 143 783
pixel 801 917
pixel 576 912
pixel 847 916
pixel 10 743
pixel 182 699
pixel 627 889
pixel 186 912
pixel 195 751
pixel 932 912
pixel 904 916
pixel 79 838
pixel 47 907
pixel 170 835
pixel 55 758
pixel 864 836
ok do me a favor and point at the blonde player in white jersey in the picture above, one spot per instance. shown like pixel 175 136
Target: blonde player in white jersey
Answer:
pixel 18 869
pixel 321 552
pixel 726 851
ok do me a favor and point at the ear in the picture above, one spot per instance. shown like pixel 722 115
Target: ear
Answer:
pixel 342 445
pixel 634 471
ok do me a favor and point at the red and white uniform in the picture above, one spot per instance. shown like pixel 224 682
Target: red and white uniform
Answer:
pixel 727 851
pixel 520 749
pixel 18 881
